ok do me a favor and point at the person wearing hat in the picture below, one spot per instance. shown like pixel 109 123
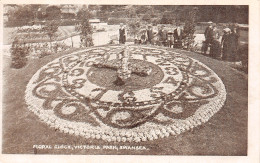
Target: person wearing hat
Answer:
pixel 225 41
pixel 208 36
pixel 159 35
pixel 164 36
pixel 178 37
pixel 234 44
pixel 215 48
pixel 171 38
pixel 122 34
pixel 143 37
pixel 149 34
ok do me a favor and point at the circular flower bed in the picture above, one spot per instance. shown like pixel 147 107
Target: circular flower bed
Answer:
pixel 75 96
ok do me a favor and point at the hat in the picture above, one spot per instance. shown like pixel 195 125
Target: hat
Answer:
pixel 226 30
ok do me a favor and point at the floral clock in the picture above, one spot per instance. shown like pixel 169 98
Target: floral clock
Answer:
pixel 77 94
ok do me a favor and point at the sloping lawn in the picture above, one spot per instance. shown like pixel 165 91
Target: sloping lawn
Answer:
pixel 224 134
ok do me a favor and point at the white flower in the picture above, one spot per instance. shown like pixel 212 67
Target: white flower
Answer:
pixel 130 139
pixel 150 137
pixel 144 138
pixel 118 138
pixel 137 139
pixel 123 139
pixel 113 138
pixel 98 136
pixel 93 136
pixel 71 132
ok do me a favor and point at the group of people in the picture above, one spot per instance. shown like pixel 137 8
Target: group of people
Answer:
pixel 162 37
pixel 227 48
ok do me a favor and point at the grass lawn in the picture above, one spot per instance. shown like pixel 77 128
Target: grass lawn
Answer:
pixel 224 134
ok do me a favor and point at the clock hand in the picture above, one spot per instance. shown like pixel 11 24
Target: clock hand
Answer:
pixel 138 70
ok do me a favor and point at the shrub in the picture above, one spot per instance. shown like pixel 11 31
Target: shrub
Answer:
pixel 18 55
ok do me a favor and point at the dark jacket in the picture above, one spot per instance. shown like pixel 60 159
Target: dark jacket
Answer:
pixel 209 34
pixel 176 36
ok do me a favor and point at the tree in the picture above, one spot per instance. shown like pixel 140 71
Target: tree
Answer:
pixel 53 13
pixel 134 26
pixel 50 28
pixel 148 15
pixel 189 28
pixel 84 13
pixel 85 27
pixel 168 18
pixel 143 9
pixel 23 14
pixel 131 11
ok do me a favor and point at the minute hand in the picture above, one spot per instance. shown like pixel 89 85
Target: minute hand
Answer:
pixel 138 70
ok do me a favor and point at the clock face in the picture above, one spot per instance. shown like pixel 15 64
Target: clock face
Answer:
pixel 76 96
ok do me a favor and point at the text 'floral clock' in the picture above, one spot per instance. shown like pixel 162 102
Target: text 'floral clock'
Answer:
pixel 118 93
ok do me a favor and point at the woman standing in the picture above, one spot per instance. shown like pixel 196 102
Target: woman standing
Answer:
pixel 215 49
pixel 225 41
pixel 122 34
pixel 233 45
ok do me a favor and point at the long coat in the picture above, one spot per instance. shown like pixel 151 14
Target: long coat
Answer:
pixel 209 34
pixel 122 35
pixel 225 41
pixel 233 45
pixel 178 38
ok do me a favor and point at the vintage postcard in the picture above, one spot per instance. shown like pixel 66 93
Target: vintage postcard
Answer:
pixel 130 82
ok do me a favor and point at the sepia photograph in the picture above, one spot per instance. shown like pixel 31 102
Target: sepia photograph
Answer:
pixel 125 79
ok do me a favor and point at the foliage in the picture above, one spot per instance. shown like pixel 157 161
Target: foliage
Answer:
pixel 67 16
pixel 50 28
pixel 168 18
pixel 23 14
pixel 53 13
pixel 112 21
pixel 147 17
pixel 131 12
pixel 84 13
pixel 85 28
pixel 134 26
pixel 18 54
pixel 143 9
pixel 189 28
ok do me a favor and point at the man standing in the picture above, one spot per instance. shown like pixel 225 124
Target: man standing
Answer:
pixel 164 36
pixel 159 35
pixel 234 44
pixel 178 37
pixel 149 34
pixel 208 36
pixel 122 34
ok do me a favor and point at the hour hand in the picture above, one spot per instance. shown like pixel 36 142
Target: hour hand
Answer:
pixel 109 65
